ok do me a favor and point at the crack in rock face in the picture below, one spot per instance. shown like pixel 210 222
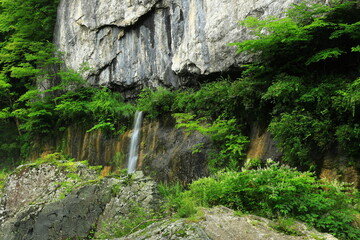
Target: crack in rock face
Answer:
pixel 136 43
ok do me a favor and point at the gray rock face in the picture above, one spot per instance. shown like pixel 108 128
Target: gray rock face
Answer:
pixel 47 202
pixel 29 184
pixel 136 197
pixel 220 223
pixel 130 44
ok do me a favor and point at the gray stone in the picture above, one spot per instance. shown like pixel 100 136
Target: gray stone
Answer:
pixel 168 229
pixel 220 223
pixel 132 44
pixel 46 201
pixel 132 197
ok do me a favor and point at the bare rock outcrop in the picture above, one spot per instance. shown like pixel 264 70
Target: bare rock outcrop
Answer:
pixel 68 200
pixel 132 44
pixel 221 223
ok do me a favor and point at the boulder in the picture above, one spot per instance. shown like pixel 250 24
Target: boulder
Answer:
pixel 221 223
pixel 68 200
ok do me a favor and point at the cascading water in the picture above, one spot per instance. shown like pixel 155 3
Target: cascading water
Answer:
pixel 134 143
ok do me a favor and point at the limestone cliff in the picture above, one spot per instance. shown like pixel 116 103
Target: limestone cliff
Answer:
pixel 134 43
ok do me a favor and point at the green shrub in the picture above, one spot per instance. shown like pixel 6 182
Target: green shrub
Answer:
pixel 172 195
pixel 299 134
pixel 230 144
pixel 138 218
pixel 4 173
pixel 348 137
pixel 72 105
pixel 156 102
pixel 280 191
pixel 287 226
pixel 110 111
pixel 210 101
pixel 304 79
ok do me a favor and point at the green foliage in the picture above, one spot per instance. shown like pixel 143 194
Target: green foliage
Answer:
pixel 304 79
pixel 9 145
pixel 175 202
pixel 4 173
pixel 298 135
pixel 309 34
pixel 324 54
pixel 210 111
pixel 280 191
pixel 138 218
pixel 156 103
pixel 287 226
pixel 225 135
pixel 26 52
pixel 348 137
pixel 110 111
pixel 348 99
pixel 210 101
pixel 73 105
pixel 45 114
pixel 26 27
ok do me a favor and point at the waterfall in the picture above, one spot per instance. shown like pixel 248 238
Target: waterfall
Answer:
pixel 134 143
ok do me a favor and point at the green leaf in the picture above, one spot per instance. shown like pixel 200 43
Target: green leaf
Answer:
pixel 356 49
pixel 325 54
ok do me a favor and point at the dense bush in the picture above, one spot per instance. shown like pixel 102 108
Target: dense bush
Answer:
pixel 26 52
pixel 156 102
pixel 304 79
pixel 210 101
pixel 96 108
pixel 277 191
pixel 229 143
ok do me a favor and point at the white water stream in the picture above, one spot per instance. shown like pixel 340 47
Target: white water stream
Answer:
pixel 134 143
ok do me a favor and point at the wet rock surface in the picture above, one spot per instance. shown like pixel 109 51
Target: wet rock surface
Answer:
pixel 166 153
pixel 169 154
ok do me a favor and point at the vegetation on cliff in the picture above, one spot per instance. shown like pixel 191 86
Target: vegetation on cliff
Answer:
pixel 26 28
pixel 303 84
pixel 37 99
pixel 307 79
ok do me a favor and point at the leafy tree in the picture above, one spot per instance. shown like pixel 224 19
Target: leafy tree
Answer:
pixel 304 78
pixel 26 31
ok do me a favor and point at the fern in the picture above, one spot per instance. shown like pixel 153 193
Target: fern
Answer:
pixel 325 54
